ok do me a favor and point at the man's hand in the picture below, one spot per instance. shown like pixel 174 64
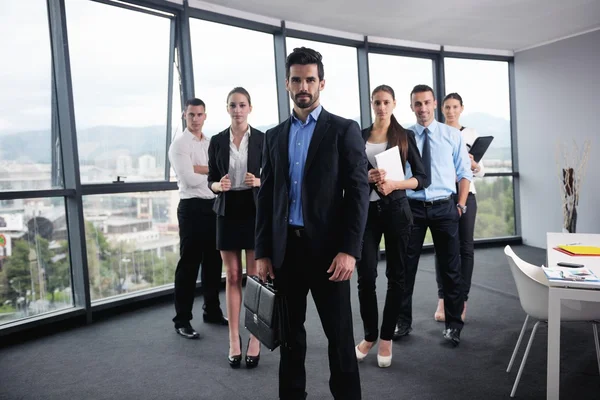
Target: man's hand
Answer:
pixel 225 183
pixel 342 267
pixel 251 180
pixel 385 187
pixel 264 268
pixel 376 175
pixel 201 169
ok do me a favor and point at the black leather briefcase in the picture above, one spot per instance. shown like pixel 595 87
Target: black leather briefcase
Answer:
pixel 266 313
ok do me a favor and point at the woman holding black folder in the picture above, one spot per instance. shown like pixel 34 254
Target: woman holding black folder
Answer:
pixel 389 215
pixel 452 108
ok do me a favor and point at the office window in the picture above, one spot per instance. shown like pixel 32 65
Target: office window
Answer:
pixel 119 65
pixel 29 145
pixel 225 57
pixel 402 74
pixel 495 207
pixel 132 241
pixel 484 88
pixel 34 258
pixel 340 95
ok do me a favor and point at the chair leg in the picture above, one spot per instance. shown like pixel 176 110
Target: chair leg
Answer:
pixel 516 350
pixel 597 343
pixel 514 389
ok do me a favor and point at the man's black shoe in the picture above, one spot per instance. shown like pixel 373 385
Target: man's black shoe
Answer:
pixel 401 330
pixel 217 319
pixel 452 335
pixel 187 332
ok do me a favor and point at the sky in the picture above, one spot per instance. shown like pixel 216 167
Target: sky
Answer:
pixel 119 65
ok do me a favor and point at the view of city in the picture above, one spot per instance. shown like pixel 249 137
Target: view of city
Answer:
pixel 120 92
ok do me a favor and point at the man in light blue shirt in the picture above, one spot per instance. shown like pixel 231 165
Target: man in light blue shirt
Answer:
pixel 446 162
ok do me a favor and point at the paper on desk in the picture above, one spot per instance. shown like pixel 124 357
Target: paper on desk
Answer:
pixel 390 161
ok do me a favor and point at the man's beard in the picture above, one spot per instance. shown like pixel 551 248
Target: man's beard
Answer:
pixel 307 104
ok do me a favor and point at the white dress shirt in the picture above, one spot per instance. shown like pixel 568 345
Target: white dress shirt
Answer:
pixel 238 161
pixel 469 135
pixel 185 151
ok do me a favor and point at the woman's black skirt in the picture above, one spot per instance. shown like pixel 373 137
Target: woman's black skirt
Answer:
pixel 235 230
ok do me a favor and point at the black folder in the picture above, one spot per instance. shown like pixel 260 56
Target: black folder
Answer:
pixel 480 146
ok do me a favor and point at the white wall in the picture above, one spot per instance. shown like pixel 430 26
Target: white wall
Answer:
pixel 557 97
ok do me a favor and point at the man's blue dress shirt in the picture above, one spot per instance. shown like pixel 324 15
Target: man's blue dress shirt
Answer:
pixel 300 136
pixel 450 161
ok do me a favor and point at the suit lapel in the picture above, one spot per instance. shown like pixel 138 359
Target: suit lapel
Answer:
pixel 283 139
pixel 224 151
pixel 254 152
pixel 318 135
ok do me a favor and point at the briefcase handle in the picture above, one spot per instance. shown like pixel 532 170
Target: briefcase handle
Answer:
pixel 270 283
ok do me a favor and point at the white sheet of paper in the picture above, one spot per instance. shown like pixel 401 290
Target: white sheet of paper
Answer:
pixel 391 162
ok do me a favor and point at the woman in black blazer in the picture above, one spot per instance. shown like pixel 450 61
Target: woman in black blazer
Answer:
pixel 234 160
pixel 389 215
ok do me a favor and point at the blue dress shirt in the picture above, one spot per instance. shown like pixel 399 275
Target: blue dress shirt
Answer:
pixel 300 136
pixel 450 161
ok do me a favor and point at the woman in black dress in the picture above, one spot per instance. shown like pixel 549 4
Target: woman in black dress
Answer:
pixel 389 215
pixel 234 160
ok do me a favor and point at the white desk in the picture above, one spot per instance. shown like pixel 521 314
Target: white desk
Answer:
pixel 557 294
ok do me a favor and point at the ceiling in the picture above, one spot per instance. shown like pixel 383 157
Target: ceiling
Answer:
pixel 510 25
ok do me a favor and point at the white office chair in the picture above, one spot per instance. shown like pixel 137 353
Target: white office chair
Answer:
pixel 532 286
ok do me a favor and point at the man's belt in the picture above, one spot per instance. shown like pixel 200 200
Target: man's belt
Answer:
pixel 431 203
pixel 297 231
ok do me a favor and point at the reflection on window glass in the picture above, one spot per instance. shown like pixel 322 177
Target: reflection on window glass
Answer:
pixel 225 57
pixel 176 112
pixel 484 88
pixel 132 241
pixel 402 74
pixel 29 146
pixel 495 207
pixel 340 95
pixel 34 258
pixel 119 64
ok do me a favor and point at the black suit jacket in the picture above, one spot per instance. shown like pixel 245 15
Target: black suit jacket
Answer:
pixel 335 191
pixel 218 162
pixel 413 157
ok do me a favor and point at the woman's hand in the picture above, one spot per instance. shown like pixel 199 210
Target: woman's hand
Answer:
pixel 225 183
pixel 386 187
pixel 251 180
pixel 474 165
pixel 376 175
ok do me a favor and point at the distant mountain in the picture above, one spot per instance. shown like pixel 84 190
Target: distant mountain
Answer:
pixel 488 125
pixel 97 144
pixel 103 144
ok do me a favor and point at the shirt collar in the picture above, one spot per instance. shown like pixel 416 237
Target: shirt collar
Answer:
pixel 247 134
pixel 194 137
pixel 432 127
pixel 314 115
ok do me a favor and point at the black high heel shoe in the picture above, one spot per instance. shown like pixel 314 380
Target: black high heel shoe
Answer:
pixel 236 360
pixel 252 361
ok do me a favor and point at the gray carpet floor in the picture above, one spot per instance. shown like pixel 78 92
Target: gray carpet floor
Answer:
pixel 137 355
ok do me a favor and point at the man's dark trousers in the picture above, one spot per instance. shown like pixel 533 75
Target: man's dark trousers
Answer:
pixel 197 235
pixel 441 217
pixel 300 273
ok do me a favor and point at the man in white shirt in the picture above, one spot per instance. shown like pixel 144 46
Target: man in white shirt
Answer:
pixel 188 155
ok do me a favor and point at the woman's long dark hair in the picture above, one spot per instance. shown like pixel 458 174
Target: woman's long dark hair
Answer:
pixel 396 134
